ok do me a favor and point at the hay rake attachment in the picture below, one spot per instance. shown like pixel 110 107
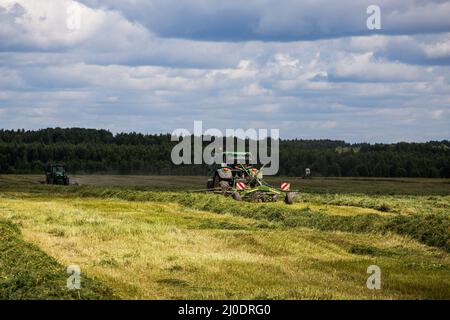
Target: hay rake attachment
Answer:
pixel 248 185
pixel 261 193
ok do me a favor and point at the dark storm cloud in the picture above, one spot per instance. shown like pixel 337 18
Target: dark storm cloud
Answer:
pixel 273 20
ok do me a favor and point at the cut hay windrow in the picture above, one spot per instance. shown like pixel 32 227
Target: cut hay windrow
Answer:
pixel 432 229
pixel 29 273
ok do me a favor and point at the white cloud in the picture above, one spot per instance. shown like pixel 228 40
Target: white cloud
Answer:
pixel 363 67
pixel 121 73
pixel 437 114
pixel 32 24
pixel 439 50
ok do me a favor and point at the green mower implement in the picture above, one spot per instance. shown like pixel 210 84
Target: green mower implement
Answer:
pixel 239 178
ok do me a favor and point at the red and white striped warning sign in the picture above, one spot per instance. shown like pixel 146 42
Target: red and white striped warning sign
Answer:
pixel 241 185
pixel 285 186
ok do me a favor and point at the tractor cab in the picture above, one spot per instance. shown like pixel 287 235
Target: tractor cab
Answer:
pixel 237 158
pixel 239 162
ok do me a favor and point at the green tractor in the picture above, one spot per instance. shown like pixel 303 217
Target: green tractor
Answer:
pixel 238 177
pixel 56 174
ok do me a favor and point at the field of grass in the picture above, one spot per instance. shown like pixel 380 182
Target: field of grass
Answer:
pixel 372 186
pixel 146 239
pixel 26 272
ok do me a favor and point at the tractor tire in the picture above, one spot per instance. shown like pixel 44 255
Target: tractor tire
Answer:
pixel 210 185
pixel 66 182
pixel 224 186
pixel 289 199
pixel 218 183
pixel 237 196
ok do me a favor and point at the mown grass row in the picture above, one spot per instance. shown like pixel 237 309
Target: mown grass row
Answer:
pixel 385 203
pixel 432 229
pixel 26 272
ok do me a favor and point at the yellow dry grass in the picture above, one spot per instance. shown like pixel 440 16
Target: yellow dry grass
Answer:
pixel 147 250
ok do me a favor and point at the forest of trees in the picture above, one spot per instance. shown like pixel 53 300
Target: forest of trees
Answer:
pixel 99 151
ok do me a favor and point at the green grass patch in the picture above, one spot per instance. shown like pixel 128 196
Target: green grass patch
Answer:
pixel 26 272
pixel 166 250
pixel 432 229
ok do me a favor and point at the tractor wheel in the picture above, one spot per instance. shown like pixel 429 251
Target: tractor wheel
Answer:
pixel 51 180
pixel 237 196
pixel 216 182
pixel 289 199
pixel 66 181
pixel 210 184
pixel 224 186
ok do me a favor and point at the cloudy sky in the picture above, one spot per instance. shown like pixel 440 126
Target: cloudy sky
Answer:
pixel 311 68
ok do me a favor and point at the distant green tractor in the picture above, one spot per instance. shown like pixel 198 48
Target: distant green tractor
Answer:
pixel 239 177
pixel 56 174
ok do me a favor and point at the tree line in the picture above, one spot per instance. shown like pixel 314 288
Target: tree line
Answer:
pixel 100 151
